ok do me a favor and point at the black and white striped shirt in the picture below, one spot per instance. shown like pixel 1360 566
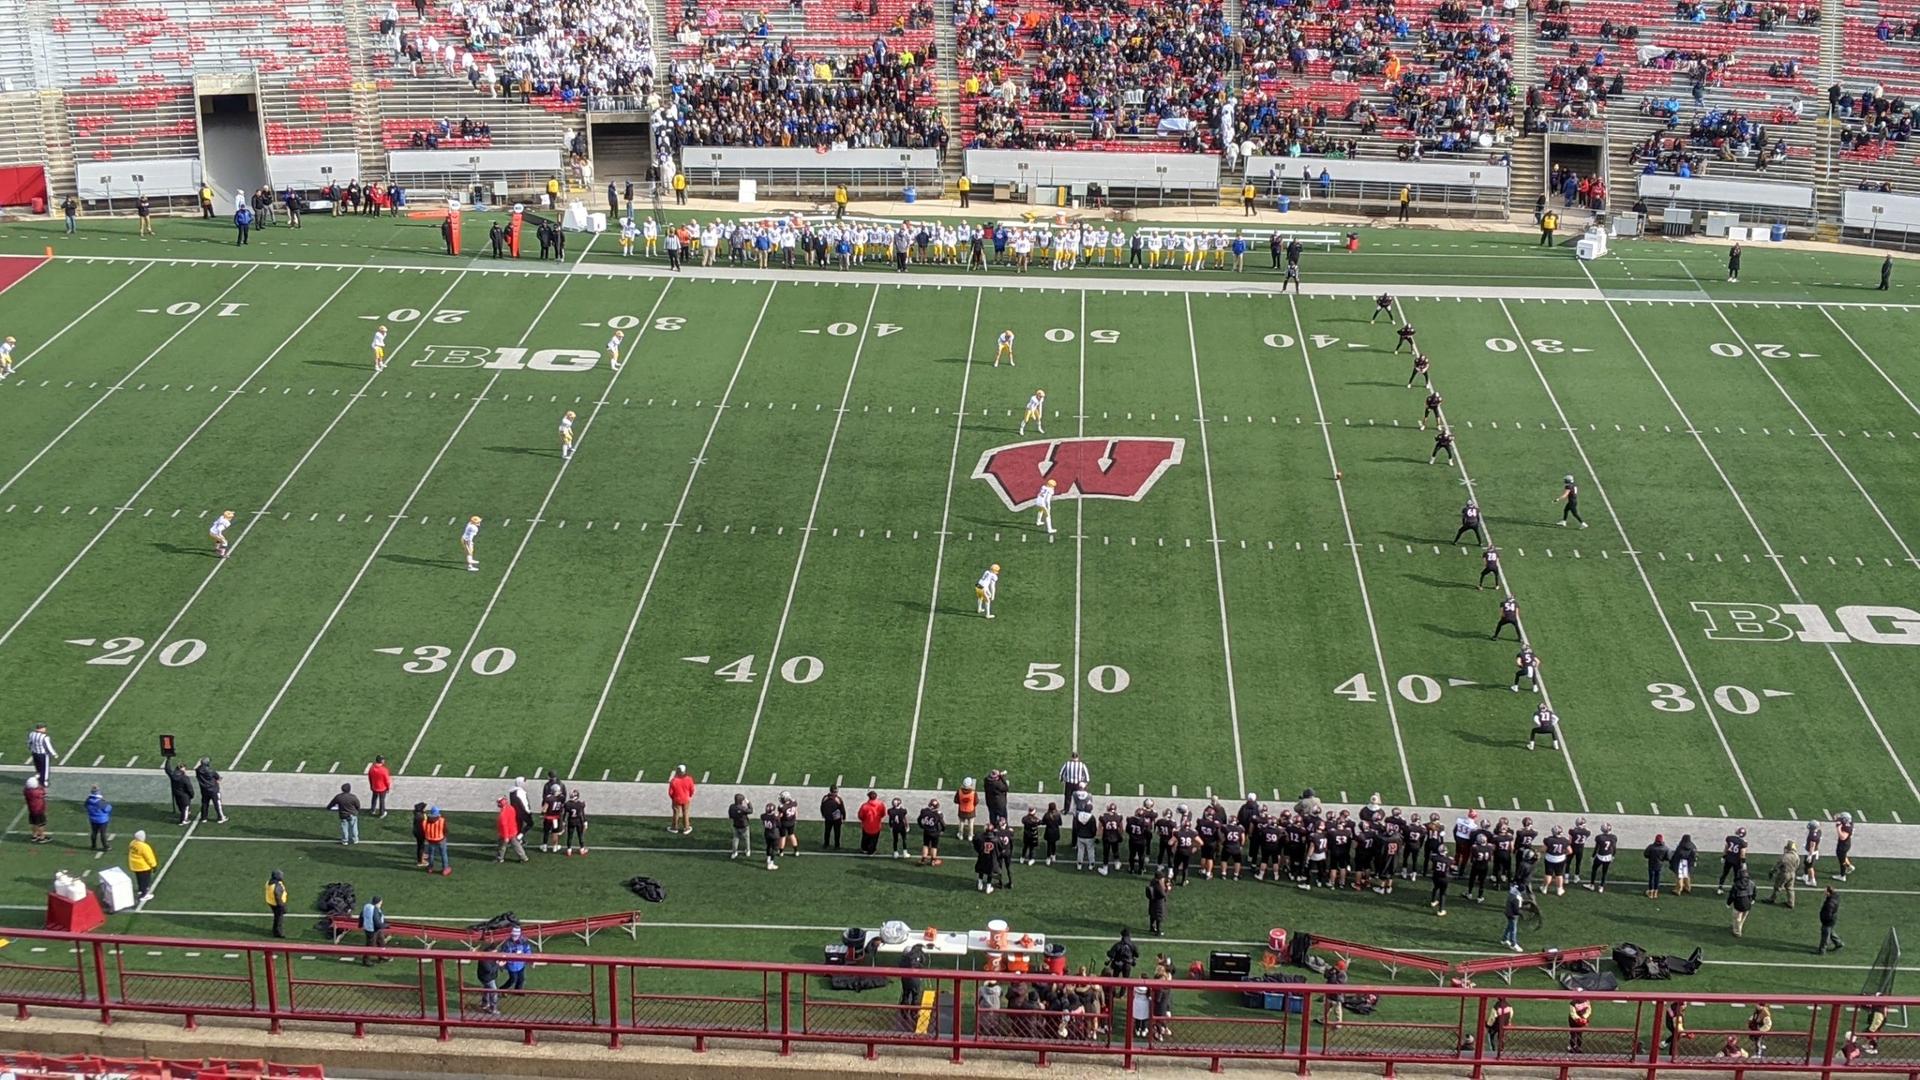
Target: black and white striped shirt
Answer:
pixel 1075 773
pixel 39 745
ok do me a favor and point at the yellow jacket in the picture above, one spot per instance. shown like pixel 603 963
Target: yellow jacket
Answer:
pixel 140 857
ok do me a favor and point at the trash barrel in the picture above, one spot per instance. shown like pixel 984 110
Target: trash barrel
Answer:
pixel 1779 231
pixel 39 205
pixel 1283 203
pixel 911 194
pixel 1056 958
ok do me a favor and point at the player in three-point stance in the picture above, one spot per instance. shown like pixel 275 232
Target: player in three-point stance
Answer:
pixel 380 350
pixel 1433 408
pixel 1526 666
pixel 467 537
pixel 1422 370
pixel 613 349
pixel 1036 413
pixel 1004 349
pixel 1383 305
pixel 1509 616
pixel 1570 494
pixel 566 435
pixel 6 357
pixel 984 590
pixel 1045 502
pixel 1489 566
pixel 1406 339
pixel 1442 440
pixel 1470 523
pixel 1545 723
pixel 219 533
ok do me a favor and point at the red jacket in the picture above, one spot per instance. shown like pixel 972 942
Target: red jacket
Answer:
pixel 680 789
pixel 508 824
pixel 873 814
pixel 36 800
pixel 379 780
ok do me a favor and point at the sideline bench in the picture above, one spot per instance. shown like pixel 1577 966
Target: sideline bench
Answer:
pixel 1550 959
pixel 1391 959
pixel 538 932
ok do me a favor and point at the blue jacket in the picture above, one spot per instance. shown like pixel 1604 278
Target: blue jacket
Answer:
pixel 243 216
pixel 99 810
pixel 517 948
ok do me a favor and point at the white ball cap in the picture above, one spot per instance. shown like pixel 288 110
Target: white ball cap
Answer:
pixel 968 782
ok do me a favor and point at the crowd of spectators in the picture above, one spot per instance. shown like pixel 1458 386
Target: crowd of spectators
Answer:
pixel 781 98
pixel 571 51
pixel 1873 119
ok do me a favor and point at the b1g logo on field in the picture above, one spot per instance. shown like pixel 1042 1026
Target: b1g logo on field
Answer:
pixel 504 359
pixel 1865 623
pixel 1097 468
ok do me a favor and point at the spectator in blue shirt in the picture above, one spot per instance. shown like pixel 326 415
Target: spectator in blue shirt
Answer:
pixel 99 814
pixel 373 923
pixel 516 947
pixel 242 221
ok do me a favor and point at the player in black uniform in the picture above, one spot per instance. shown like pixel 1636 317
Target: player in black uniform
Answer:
pixel 1002 852
pixel 1546 724
pixel 1186 841
pixel 1422 371
pixel 986 855
pixel 1470 522
pixel 1029 835
pixel 1479 864
pixel 1339 850
pixel 1440 870
pixel 1139 834
pixel 1502 852
pixel 1526 666
pixel 1570 494
pixel 1387 852
pixel 897 825
pixel 1509 616
pixel 932 824
pixel 1233 841
pixel 1163 829
pixel 1490 566
pixel 1383 305
pixel 1434 401
pixel 1578 837
pixel 1733 857
pixel 1271 840
pixel 1112 828
pixel 1406 338
pixel 1208 828
pixel 1442 440
pixel 1605 845
pixel 1556 848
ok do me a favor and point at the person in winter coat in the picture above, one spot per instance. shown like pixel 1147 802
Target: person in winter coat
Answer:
pixel 873 816
pixel 487 971
pixel 1086 826
pixel 277 902
pixel 1657 854
pixel 1685 854
pixel 209 781
pixel 1122 955
pixel 1741 899
pixel 833 814
pixel 1158 890
pixel 36 797
pixel 142 862
pixel 522 806
pixel 180 785
pixel 995 791
pixel 680 795
pixel 1786 872
pixel 516 947
pixel 966 804
pixel 508 830
pixel 433 828
pixel 419 834
pixel 379 782
pixel 99 816
pixel 1050 829
pixel 1829 917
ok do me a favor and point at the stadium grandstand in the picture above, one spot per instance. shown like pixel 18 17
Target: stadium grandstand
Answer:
pixel 1774 109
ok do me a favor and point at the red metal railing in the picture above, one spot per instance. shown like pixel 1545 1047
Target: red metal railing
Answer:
pixel 789 1005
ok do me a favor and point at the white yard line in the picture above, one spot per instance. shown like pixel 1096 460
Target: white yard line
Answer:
pixel 77 319
pixel 940 545
pixel 1699 690
pixel 806 537
pixel 1079 527
pixel 172 855
pixel 1353 549
pixel 166 635
pixel 1520 627
pixel 526 536
pixel 1772 556
pixel 1214 541
pixel 122 380
pixel 392 524
pixel 1870 360
pixel 660 554
pixel 1820 436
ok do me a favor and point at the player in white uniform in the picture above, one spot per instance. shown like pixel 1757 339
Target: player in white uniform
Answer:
pixel 1036 413
pixel 6 357
pixel 650 231
pixel 628 231
pixel 984 590
pixel 467 537
pixel 1154 243
pixel 380 349
pixel 219 533
pixel 613 349
pixel 1045 517
pixel 1005 349
pixel 566 435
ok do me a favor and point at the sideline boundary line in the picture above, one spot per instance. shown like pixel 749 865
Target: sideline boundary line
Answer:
pixel 940 548
pixel 1214 541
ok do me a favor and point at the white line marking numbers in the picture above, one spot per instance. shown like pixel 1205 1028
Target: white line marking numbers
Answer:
pixel 1105 678
pixel 1544 346
pixel 445 316
pixel 430 659
pixel 1419 689
pixel 1060 335
pixel 667 323
pixel 120 651
pixel 1762 350
pixel 798 670
pixel 847 329
pixel 189 307
pixel 1285 341
pixel 1738 700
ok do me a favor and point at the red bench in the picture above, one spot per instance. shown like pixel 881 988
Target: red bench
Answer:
pixel 1550 959
pixel 1391 959
pixel 538 932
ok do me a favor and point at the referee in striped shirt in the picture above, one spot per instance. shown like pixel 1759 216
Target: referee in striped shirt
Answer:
pixel 40 749
pixel 1074 775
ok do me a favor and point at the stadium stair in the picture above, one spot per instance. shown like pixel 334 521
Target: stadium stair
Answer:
pixel 365 91
pixel 1529 174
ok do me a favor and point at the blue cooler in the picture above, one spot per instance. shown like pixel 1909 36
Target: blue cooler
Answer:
pixel 911 194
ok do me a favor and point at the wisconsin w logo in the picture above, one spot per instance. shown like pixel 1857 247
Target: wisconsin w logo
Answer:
pixel 1097 468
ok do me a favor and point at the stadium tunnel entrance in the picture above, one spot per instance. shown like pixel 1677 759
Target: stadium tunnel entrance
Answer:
pixel 620 145
pixel 233 143
pixel 1583 154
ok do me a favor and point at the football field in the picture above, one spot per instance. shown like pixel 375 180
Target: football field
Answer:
pixel 761 560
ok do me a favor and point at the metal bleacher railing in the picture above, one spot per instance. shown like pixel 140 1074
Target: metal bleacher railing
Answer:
pixel 789 1006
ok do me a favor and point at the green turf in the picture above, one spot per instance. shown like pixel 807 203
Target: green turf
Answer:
pixel 852 676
